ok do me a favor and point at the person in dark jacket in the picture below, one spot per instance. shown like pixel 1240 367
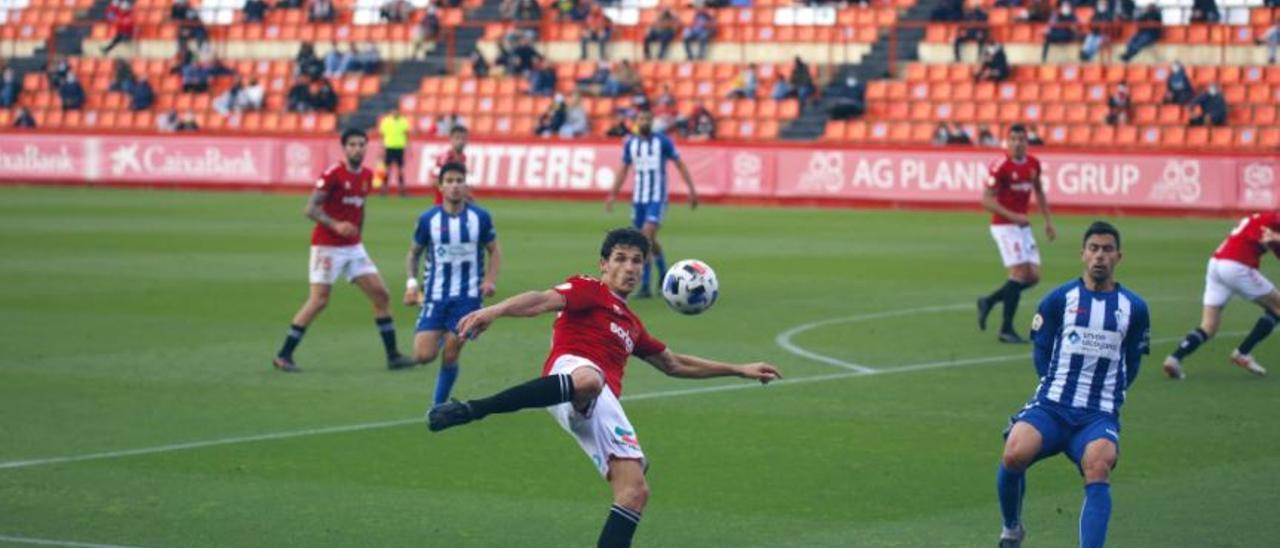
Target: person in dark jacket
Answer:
pixel 1212 106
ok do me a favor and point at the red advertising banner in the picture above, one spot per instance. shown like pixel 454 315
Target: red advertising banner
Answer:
pixel 1148 181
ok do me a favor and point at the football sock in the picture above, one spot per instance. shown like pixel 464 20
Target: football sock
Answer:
pixel 998 294
pixel 388 332
pixel 619 528
pixel 1190 343
pixel 1260 331
pixel 543 392
pixel 1095 515
pixel 662 265
pixel 1011 486
pixel 1012 292
pixel 444 382
pixel 291 341
pixel 644 286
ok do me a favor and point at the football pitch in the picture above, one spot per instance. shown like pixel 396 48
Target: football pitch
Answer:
pixel 138 406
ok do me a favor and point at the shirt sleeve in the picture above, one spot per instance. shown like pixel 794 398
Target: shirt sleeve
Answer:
pixel 993 174
pixel 669 149
pixel 1137 342
pixel 579 293
pixel 1045 327
pixel 326 181
pixel 488 232
pixel 422 234
pixel 647 345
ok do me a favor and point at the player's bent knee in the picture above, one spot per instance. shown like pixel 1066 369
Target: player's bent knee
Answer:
pixel 1014 460
pixel 587 383
pixel 634 495
pixel 1098 469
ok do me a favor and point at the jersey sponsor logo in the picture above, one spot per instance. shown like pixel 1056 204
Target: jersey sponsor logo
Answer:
pixel 1037 322
pixel 354 201
pixel 456 252
pixel 622 334
pixel 1097 343
pixel 185 161
pixel 626 437
pixel 1180 181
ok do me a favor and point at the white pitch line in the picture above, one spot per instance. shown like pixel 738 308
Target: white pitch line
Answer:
pixel 47 542
pixel 784 339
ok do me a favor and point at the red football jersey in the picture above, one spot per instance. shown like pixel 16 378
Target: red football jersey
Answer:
pixel 1244 244
pixel 345 202
pixel 448 156
pixel 1013 182
pixel 597 325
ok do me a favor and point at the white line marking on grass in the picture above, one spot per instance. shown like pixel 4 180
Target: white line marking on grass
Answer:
pixel 47 542
pixel 784 339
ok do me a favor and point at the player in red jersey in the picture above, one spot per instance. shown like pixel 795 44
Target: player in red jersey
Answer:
pixel 581 382
pixel 1233 270
pixel 1007 197
pixel 456 154
pixel 337 207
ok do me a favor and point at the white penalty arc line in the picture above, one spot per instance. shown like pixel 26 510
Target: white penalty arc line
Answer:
pixel 48 542
pixel 784 339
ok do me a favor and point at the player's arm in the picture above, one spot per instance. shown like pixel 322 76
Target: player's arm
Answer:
pixel 693 367
pixel 490 283
pixel 1045 327
pixel 688 182
pixel 618 179
pixel 990 203
pixel 1137 343
pixel 524 305
pixel 412 296
pixel 315 212
pixel 1043 203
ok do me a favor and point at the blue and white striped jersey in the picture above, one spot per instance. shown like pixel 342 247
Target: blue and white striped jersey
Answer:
pixel 455 247
pixel 649 155
pixel 1088 346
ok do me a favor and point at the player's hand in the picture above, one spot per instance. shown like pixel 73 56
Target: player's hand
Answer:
pixel 413 297
pixel 760 371
pixel 1050 231
pixel 1269 236
pixel 345 229
pixel 473 324
pixel 488 288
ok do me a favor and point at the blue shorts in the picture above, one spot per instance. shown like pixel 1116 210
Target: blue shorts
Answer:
pixel 642 214
pixel 440 315
pixel 1068 430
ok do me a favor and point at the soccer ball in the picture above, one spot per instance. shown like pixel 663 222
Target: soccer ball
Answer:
pixel 690 287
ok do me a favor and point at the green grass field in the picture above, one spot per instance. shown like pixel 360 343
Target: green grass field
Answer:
pixel 138 319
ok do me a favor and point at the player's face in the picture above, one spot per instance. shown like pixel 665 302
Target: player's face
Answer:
pixel 1100 255
pixel 354 148
pixel 453 185
pixel 622 269
pixel 1018 144
pixel 644 122
pixel 458 140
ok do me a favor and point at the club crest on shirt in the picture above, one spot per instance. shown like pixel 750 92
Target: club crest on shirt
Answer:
pixel 1036 322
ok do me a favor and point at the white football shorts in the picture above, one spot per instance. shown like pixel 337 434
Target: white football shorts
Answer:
pixel 603 431
pixel 329 262
pixel 1017 244
pixel 1224 278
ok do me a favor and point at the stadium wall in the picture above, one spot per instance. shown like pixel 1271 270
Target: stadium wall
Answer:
pixel 1147 182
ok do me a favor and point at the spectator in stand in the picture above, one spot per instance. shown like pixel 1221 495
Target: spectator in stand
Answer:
pixel 426 32
pixel 1033 136
pixel 745 84
pixel 848 100
pixel 167 122
pixel 663 31
pixel 369 59
pixel 122 76
pixel 528 10
pixel 58 72
pixel 947 11
pixel 995 66
pixel 576 122
pixel 1205 11
pixel 141 96
pixel 1212 106
pixel 225 102
pixel 322 96
pixel 252 97
pixel 255 11
pixel 24 119
pixel 192 29
pixel 1118 105
pixel 1272 39
pixel 594 84
pixel 549 122
pixel 479 65
pixel 1099 30
pixel 664 110
pixel 623 81
pixel 1149 31
pixel 195 78
pixel 959 135
pixel 598 29
pixel 941 135
pixel 1037 11
pixel 120 15
pixel 702 126
pixel 507 9
pixel 1177 87
pixel 395 11
pixel 801 81
pixel 446 123
pixel 1060 30
pixel 71 93
pixel 181 11
pixel 337 62
pixel 542 79
pixel 620 128
pixel 299 97
pixel 699 31
pixel 781 89
pixel 188 123
pixel 10 88
pixel 564 9
pixel 181 59
pixel 1125 10
pixel 321 11
pixel 973 29
pixel 986 138
pixel 525 55
pixel 306 62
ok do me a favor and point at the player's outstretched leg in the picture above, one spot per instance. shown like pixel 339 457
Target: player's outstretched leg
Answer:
pixel 1210 317
pixel 317 300
pixel 449 369
pixel 542 392
pixel 1099 458
pixel 1243 355
pixel 373 288
pixel 630 494
pixel 1020 450
pixel 1011 297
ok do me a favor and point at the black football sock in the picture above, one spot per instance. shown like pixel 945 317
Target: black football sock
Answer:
pixel 619 528
pixel 543 392
pixel 998 294
pixel 291 341
pixel 1260 331
pixel 1190 343
pixel 388 332
pixel 1013 292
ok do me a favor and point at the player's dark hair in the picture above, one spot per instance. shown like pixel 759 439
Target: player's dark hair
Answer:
pixel 353 132
pixel 1101 227
pixel 451 166
pixel 625 237
pixel 1018 128
pixel 457 128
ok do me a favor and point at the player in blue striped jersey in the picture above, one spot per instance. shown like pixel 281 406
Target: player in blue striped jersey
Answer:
pixel 649 152
pixel 455 236
pixel 1090 335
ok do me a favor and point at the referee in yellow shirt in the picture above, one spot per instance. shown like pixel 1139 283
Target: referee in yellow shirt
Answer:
pixel 394 128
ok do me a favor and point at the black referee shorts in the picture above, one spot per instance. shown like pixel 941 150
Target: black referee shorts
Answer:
pixel 394 156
